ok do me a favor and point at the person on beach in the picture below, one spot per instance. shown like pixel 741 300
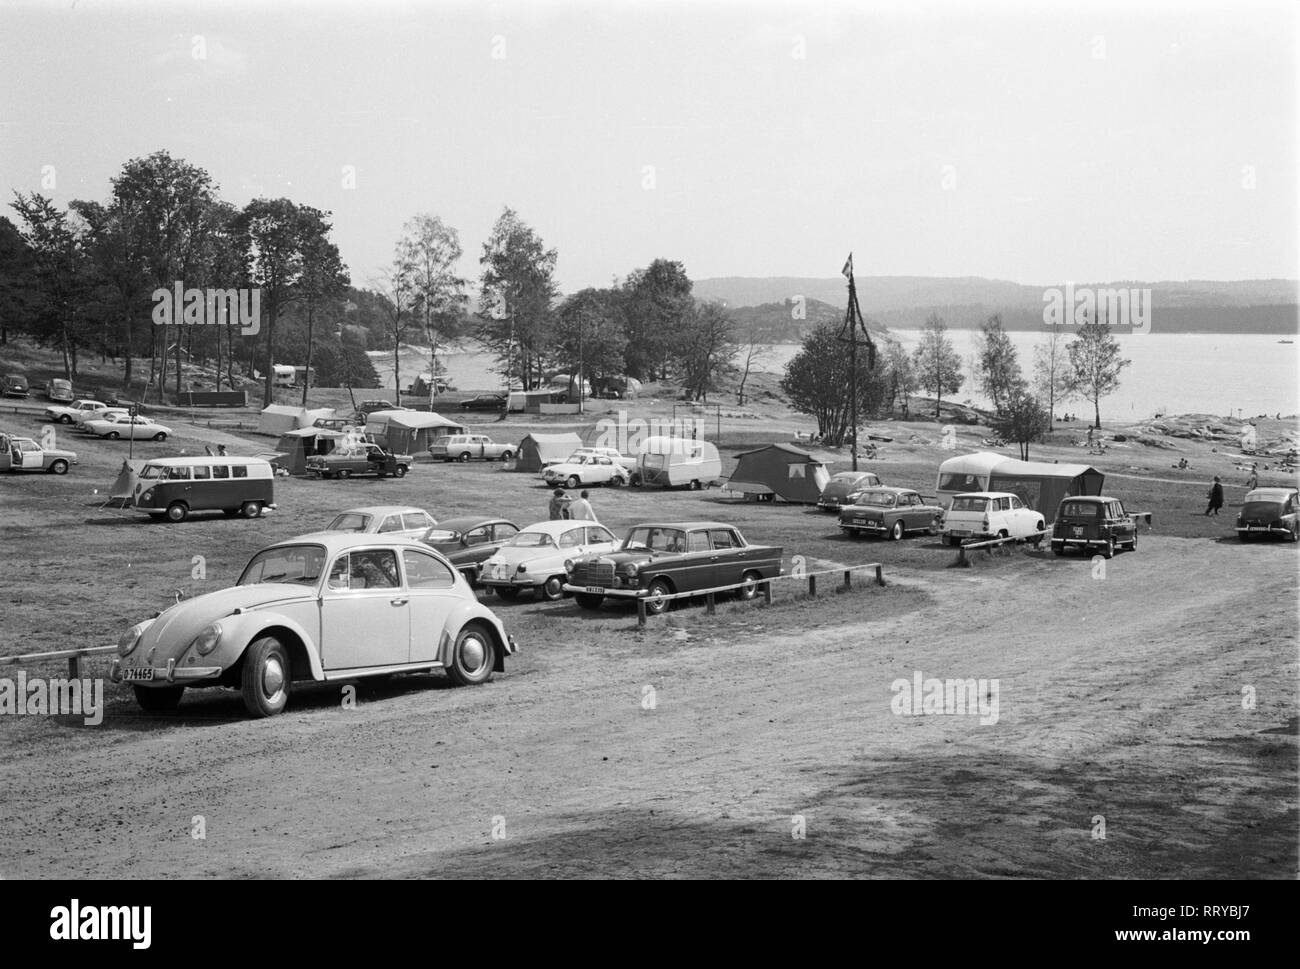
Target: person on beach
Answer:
pixel 581 508
pixel 558 506
pixel 1216 498
pixel 1252 481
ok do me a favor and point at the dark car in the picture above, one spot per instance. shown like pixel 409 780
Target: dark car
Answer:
pixel 1093 522
pixel 1270 511
pixel 14 385
pixel 844 488
pixel 368 407
pixel 468 542
pixel 661 558
pixel 889 511
pixel 344 462
pixel 484 402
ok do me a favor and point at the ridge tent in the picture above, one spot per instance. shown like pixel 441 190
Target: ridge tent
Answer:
pixel 296 446
pixel 1039 485
pixel 276 419
pixel 781 470
pixel 537 450
pixel 409 431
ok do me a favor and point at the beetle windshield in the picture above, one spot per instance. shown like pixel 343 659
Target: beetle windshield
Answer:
pixel 294 564
pixel 531 540
pixel 655 540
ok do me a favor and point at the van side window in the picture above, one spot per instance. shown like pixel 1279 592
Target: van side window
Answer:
pixel 239 471
pixel 178 474
pixel 202 472
pixel 220 471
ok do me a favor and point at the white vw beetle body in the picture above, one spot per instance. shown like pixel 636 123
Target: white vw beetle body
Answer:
pixel 325 606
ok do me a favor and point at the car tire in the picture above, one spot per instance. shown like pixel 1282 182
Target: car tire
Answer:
pixel 399 471
pixel 113 435
pixel 1108 549
pixel 635 481
pixel 464 456
pixel 342 473
pixel 59 467
pixel 264 680
pixel 506 455
pixel 1295 533
pixel 695 484
pixel 472 656
pixel 160 436
pixel 574 481
pixel 177 511
pixel 588 600
pixel 754 582
pixel 251 509
pixel 552 590
pixel 896 532
pixel 65 419
pixel 615 482
pixel 159 699
pixel 508 591
pixel 658 606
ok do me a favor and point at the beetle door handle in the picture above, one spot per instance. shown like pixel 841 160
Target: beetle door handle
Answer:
pixel 399 602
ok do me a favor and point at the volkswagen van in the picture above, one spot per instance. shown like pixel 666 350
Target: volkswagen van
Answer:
pixel 176 487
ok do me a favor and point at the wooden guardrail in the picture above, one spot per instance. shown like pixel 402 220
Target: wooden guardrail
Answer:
pixel 765 586
pixel 73 656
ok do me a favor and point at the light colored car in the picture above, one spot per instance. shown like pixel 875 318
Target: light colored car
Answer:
pixel 68 413
pixel 124 425
pixel 462 447
pixel 319 607
pixel 102 413
pixel 603 452
pixel 395 520
pixel 587 469
pixel 24 454
pixel 535 558
pixel 990 514
pixel 59 390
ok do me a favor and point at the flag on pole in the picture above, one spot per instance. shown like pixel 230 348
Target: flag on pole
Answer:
pixel 848 268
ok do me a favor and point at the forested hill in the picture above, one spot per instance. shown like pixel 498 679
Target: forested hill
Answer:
pixel 790 321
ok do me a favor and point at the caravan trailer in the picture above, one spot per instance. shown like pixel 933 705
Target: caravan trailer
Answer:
pixel 677 462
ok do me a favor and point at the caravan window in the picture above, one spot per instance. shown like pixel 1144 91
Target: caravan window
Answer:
pixel 960 482
pixel 653 461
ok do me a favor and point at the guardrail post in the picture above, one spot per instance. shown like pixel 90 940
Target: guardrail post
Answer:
pixel 640 612
pixel 767 592
pixel 708 603
pixel 812 585
pixel 848 578
pixel 961 556
pixel 74 667
pixel 880 575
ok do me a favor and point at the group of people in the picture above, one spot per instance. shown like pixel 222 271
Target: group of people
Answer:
pixel 562 506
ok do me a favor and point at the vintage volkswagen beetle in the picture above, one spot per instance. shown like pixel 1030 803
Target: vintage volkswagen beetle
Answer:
pixel 1270 511
pixel 321 607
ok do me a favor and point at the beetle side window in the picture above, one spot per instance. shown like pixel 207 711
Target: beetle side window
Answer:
pixel 426 572
pixel 478 536
pixel 373 569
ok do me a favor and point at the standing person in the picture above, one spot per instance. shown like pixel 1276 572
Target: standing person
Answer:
pixel 1216 497
pixel 581 508
pixel 1252 482
pixel 221 450
pixel 556 508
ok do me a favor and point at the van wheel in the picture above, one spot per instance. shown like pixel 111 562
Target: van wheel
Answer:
pixel 177 512
pixel 264 681
pixel 158 699
pixel 506 455
pixel 464 456
pixel 552 589
pixel 573 481
pixel 251 509
pixel 472 657
pixel 59 467
pixel 896 532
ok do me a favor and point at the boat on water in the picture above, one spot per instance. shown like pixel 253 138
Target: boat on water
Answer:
pixel 1286 341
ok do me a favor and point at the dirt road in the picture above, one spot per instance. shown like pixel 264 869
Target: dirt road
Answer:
pixel 699 748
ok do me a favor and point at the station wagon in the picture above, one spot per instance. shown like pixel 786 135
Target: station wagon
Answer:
pixel 1096 522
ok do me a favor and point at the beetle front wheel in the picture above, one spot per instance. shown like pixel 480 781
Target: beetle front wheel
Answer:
pixel 265 678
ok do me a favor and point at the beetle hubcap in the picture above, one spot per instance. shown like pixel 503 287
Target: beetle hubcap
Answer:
pixel 473 654
pixel 272 677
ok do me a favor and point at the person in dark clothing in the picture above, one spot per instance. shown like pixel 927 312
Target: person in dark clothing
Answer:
pixel 1216 497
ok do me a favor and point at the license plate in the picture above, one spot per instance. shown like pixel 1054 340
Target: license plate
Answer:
pixel 134 674
pixel 960 532
pixel 596 589
pixel 859 521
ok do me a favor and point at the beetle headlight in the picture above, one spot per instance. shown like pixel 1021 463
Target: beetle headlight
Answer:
pixel 206 641
pixel 130 639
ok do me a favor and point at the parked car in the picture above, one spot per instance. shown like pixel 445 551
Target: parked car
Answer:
pixel 586 469
pixel 124 425
pixel 344 462
pixel 889 511
pixel 103 413
pixel 990 514
pixel 368 407
pixel 462 447
pixel 534 559
pixel 25 454
pixel 1093 521
pixel 484 402
pixel 604 452
pixel 175 487
pixel 469 542
pixel 59 390
pixel 68 413
pixel 845 487
pixel 383 520
pixel 319 607
pixel 659 559
pixel 14 385
pixel 1270 511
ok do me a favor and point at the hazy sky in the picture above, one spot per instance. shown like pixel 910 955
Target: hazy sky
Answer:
pixel 1031 142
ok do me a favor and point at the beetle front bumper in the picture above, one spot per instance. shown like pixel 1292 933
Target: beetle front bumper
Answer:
pixel 161 674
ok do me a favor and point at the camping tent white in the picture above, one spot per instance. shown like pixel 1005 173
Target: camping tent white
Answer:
pixel 537 450
pixel 278 418
pixel 410 431
pixel 122 489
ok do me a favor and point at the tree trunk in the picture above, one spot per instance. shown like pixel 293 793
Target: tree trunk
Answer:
pixel 306 377
pixel 1096 413
pixel 272 307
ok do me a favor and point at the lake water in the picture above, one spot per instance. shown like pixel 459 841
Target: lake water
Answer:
pixel 1171 373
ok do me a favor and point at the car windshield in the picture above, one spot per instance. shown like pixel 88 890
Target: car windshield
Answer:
pixel 151 471
pixel 653 539
pixel 881 499
pixel 1080 509
pixel 293 564
pixel 969 504
pixel 349 522
pixel 532 540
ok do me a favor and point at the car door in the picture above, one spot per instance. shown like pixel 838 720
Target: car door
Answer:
pixel 365 612
pixel 1124 527
pixel 699 567
pixel 1022 519
pixel 432 590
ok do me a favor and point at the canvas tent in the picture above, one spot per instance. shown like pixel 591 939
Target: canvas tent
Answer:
pixel 1039 484
pixel 122 491
pixel 277 418
pixel 781 470
pixel 537 450
pixel 296 446
pixel 409 431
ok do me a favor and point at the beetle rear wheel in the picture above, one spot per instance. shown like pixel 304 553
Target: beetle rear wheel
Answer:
pixel 472 657
pixel 158 699
pixel 264 681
